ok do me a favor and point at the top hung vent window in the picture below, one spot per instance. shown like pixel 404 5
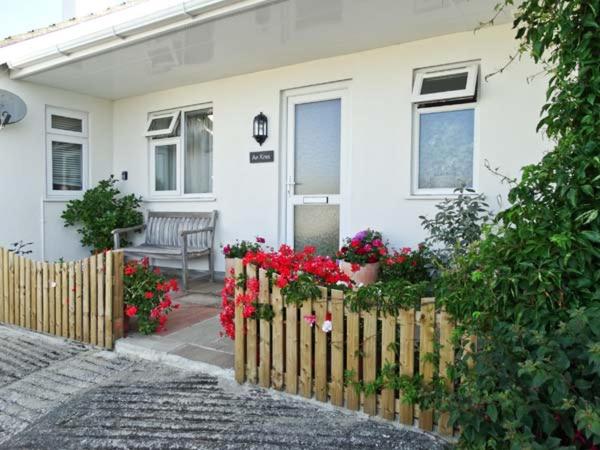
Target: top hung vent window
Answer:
pixel 162 125
pixel 456 83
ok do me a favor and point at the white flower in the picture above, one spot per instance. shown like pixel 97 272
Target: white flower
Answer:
pixel 53 284
pixel 326 327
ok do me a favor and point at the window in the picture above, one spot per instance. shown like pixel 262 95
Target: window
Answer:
pixel 435 85
pixel 181 162
pixel 162 125
pixel 445 118
pixel 66 152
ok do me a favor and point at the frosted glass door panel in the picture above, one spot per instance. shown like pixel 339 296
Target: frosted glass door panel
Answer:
pixel 317 225
pixel 317 147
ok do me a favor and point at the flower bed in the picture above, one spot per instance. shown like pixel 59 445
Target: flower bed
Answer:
pixel 147 296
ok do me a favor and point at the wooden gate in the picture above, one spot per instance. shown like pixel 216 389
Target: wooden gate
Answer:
pixel 80 300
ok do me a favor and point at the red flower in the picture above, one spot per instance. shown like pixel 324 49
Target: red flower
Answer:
pixel 149 295
pixel 165 303
pixel 355 267
pixel 131 311
pixel 173 285
pixel 157 270
pixel 355 243
pixel 130 270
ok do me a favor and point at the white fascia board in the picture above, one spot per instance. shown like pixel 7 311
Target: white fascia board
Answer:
pixel 164 21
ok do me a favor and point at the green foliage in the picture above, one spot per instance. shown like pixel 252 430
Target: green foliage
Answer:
pixel 458 223
pixel 303 287
pixel 530 290
pixel 410 265
pixel 101 210
pixel 388 297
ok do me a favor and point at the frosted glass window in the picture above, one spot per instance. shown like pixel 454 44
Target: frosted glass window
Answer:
pixel 198 151
pixel 317 147
pixel 165 167
pixel 317 225
pixel 446 149
pixel 67 165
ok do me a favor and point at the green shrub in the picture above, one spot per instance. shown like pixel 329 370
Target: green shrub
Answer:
pixel 101 210
pixel 530 290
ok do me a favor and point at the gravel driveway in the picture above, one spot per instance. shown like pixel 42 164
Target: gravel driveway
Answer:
pixel 61 395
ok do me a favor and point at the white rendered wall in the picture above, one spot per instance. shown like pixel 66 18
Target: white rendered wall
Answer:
pixel 22 169
pixel 246 195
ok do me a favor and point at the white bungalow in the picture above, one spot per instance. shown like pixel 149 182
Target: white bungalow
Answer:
pixel 376 110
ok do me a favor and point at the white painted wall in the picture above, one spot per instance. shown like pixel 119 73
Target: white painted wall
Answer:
pixel 246 196
pixel 22 169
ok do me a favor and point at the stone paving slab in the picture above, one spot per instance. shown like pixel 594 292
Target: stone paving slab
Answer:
pixel 94 399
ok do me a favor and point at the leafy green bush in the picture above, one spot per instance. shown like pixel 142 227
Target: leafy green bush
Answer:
pixel 101 210
pixel 530 290
pixel 458 223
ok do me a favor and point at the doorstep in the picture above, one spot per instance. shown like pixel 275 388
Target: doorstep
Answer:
pixel 192 335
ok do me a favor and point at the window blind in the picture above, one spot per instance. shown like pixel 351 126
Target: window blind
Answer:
pixel 67 123
pixel 67 166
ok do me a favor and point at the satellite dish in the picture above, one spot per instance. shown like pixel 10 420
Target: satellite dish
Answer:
pixel 12 108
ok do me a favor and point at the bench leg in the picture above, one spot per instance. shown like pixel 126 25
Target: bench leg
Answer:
pixel 184 271
pixel 211 266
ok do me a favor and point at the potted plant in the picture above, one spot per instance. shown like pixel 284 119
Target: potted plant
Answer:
pixel 359 257
pixel 239 250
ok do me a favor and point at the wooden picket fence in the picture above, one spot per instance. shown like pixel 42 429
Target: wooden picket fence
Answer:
pixel 286 353
pixel 80 300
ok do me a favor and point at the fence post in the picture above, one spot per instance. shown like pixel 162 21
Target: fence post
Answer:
pixel 251 337
pixel 446 359
pixel 337 347
pixel 426 347
pixel 117 302
pixel 369 362
pixel 240 332
pixel 407 359
pixel 278 342
pixel 291 348
pixel 352 357
pixel 320 355
pixel 388 356
pixel 108 292
pixel 264 298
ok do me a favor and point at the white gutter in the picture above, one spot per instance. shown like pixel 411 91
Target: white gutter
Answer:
pixel 188 13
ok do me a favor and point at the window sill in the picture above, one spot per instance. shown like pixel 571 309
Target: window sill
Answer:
pixel 208 198
pixel 437 196
pixel 62 199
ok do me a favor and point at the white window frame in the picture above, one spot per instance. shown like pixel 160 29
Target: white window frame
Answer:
pixel 80 115
pixel 472 70
pixel 55 134
pixel 179 193
pixel 173 115
pixel 160 142
pixel 416 191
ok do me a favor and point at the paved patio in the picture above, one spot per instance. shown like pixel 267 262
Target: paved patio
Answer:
pixel 192 332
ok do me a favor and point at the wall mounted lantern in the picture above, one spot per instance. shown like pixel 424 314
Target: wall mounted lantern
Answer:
pixel 260 128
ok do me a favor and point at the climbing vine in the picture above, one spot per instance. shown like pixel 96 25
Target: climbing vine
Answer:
pixel 530 289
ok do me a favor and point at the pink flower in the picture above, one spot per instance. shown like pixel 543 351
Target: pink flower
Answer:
pixel 310 319
pixel 260 240
pixel 377 243
pixel 227 250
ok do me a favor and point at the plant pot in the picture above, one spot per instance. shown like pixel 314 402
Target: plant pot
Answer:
pixel 367 274
pixel 229 266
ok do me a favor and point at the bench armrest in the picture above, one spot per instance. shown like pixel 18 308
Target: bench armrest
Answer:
pixel 118 231
pixel 188 232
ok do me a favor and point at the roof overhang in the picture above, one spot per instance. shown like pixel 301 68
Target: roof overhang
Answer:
pixel 185 42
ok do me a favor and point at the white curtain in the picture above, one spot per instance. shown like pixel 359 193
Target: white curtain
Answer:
pixel 198 151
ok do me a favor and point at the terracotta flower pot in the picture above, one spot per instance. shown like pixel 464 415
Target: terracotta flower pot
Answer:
pixel 229 266
pixel 367 274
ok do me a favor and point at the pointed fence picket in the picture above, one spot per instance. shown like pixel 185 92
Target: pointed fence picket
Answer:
pixel 287 353
pixel 81 300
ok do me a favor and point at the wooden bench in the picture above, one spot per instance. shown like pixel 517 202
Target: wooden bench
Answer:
pixel 174 235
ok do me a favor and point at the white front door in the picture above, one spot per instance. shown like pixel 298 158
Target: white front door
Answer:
pixel 315 181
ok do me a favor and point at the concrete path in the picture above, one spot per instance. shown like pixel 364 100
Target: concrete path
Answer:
pixel 59 395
